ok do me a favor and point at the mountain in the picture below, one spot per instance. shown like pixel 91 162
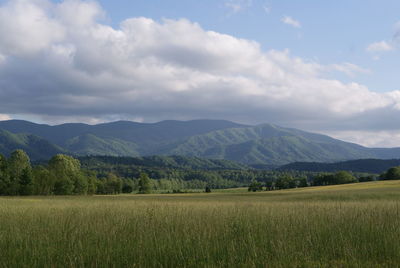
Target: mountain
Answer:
pixel 36 147
pixel 171 162
pixel 376 166
pixel 265 144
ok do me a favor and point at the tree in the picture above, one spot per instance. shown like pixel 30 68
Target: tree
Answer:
pixel 68 177
pixel 392 174
pixel 343 177
pixel 127 186
pixel 43 182
pixel 340 177
pixel 18 168
pixel 302 182
pixel 26 182
pixel 255 186
pixel 269 186
pixel 285 182
pixel 144 184
pixel 112 184
pixel 4 178
pixel 92 182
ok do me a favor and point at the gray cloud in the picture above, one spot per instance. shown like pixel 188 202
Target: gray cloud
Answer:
pixel 62 64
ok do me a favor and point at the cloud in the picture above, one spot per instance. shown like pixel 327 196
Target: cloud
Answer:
pixel 90 71
pixel 381 46
pixel 396 36
pixel 238 5
pixel 290 21
pixel 349 69
pixel 267 8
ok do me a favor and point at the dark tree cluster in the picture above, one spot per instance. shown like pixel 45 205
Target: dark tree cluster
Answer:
pixel 341 177
pixel 391 174
pixel 62 175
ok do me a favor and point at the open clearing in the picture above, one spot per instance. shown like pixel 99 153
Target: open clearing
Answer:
pixel 355 225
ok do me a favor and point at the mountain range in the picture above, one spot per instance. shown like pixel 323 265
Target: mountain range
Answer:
pixel 264 144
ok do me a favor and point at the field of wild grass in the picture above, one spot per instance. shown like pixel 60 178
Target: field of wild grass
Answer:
pixel 334 226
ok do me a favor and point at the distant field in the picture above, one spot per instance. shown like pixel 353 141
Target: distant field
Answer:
pixel 355 225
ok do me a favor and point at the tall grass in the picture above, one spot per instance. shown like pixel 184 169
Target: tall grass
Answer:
pixel 323 227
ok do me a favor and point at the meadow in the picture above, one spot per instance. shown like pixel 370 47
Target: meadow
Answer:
pixel 355 225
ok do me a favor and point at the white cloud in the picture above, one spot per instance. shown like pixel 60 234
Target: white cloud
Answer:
pixel 396 36
pixel 94 72
pixel 381 46
pixel 26 28
pixel 267 8
pixel 238 5
pixel 349 69
pixel 290 21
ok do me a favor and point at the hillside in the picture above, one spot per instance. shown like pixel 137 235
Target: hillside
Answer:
pixel 171 162
pixel 265 144
pixel 36 147
pixel 376 166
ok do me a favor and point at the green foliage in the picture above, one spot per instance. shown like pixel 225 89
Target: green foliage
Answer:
pixel 43 181
pixel 285 182
pixel 340 177
pixel 26 182
pixel 392 174
pixel 113 175
pixel 19 174
pixel 4 177
pixel 128 186
pixel 255 186
pixel 110 185
pixel 144 184
pixel 372 166
pixel 66 171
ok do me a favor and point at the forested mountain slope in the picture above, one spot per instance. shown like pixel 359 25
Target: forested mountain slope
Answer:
pixel 264 144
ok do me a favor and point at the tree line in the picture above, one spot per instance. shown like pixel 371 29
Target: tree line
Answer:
pixel 322 179
pixel 64 175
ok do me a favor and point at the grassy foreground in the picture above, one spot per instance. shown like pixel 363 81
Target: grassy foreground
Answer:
pixel 335 226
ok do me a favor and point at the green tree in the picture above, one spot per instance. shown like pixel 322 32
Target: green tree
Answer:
pixel 92 182
pixel 302 182
pixel 343 177
pixel 144 184
pixel 112 184
pixel 19 168
pixel 269 185
pixel 392 174
pixel 68 177
pixel 128 186
pixel 255 186
pixel 4 177
pixel 26 182
pixel 285 182
pixel 43 182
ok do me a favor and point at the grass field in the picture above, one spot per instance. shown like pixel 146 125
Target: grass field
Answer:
pixel 354 225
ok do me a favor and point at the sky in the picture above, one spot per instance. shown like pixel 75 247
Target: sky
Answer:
pixel 325 66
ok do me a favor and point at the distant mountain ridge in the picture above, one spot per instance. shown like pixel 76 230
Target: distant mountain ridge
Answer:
pixel 264 144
